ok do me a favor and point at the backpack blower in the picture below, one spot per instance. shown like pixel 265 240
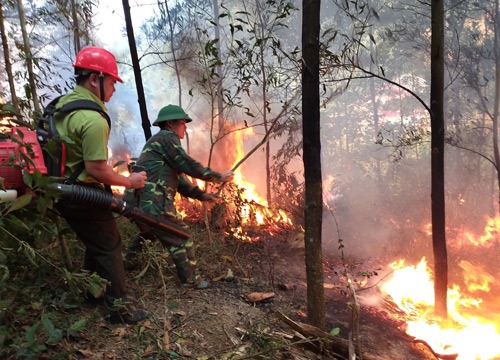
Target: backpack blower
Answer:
pixel 20 151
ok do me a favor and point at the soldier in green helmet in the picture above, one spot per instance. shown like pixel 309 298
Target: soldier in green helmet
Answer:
pixel 165 162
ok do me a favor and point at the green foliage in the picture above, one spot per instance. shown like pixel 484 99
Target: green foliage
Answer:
pixel 335 331
pixel 85 282
pixel 31 347
pixel 53 334
pixel 33 278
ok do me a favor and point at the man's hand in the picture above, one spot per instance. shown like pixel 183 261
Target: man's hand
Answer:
pixel 227 176
pixel 137 179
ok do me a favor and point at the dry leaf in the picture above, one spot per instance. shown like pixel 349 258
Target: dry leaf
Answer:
pixel 301 313
pixel 120 332
pixel 166 340
pixel 258 296
pixel 148 351
pixel 86 353
pixel 179 312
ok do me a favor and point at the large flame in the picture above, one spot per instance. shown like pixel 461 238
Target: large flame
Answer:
pixel 256 207
pixel 469 331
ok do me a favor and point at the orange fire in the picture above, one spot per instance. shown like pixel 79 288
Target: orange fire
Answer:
pixel 488 239
pixel 256 208
pixel 253 210
pixel 470 331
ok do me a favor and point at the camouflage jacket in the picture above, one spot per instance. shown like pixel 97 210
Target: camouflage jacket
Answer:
pixel 165 162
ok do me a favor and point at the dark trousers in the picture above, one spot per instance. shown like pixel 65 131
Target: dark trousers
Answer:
pixel 98 231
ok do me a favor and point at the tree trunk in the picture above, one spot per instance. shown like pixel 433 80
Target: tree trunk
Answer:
pixel 176 65
pixel 8 65
pixel 312 162
pixel 496 49
pixel 146 125
pixel 267 149
pixel 437 160
pixel 218 70
pixel 75 26
pixel 29 58
pixel 223 152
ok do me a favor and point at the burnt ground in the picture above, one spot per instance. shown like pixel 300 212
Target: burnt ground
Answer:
pixel 220 322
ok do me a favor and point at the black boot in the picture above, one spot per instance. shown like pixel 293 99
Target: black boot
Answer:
pixel 127 315
pixel 124 313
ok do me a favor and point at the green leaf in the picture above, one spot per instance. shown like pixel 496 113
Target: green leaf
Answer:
pixel 54 334
pixel 19 203
pixel 118 163
pixel 4 274
pixel 30 334
pixel 335 331
pixel 8 108
pixel 173 355
pixel 79 325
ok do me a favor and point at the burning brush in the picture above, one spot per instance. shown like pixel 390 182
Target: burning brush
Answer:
pixel 469 333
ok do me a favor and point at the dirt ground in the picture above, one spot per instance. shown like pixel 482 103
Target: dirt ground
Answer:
pixel 225 322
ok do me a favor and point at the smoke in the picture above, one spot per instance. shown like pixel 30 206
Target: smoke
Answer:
pixel 126 123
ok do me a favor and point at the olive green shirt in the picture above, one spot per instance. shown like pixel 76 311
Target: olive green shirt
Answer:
pixel 87 129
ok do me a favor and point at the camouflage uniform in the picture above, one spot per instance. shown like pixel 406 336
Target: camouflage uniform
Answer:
pixel 165 162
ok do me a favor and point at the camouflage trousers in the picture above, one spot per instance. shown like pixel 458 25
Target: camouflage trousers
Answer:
pixel 181 250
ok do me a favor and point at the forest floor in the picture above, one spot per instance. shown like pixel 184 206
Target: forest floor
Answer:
pixel 237 316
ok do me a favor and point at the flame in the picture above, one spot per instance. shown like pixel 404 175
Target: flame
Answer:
pixel 249 193
pixel 488 239
pixel 256 208
pixel 6 122
pixel 469 331
pixel 121 169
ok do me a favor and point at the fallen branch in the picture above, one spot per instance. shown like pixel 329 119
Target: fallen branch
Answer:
pixel 324 343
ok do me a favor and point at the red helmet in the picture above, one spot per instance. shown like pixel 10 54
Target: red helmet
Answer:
pixel 97 59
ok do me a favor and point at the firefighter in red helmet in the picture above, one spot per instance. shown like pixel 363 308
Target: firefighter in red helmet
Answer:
pixel 99 61
pixel 96 73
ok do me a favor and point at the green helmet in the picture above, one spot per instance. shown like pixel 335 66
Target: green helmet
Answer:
pixel 171 112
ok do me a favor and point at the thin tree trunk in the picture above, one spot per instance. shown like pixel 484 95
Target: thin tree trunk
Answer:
pixel 176 65
pixel 312 163
pixel 75 26
pixel 437 160
pixel 264 106
pixel 218 70
pixel 496 105
pixel 8 65
pixel 146 125
pixel 29 58
pixel 224 144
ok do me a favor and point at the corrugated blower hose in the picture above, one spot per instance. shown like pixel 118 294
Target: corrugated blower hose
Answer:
pixel 100 199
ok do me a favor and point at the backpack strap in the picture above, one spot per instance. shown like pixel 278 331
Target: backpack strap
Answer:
pixel 83 104
pixel 46 128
